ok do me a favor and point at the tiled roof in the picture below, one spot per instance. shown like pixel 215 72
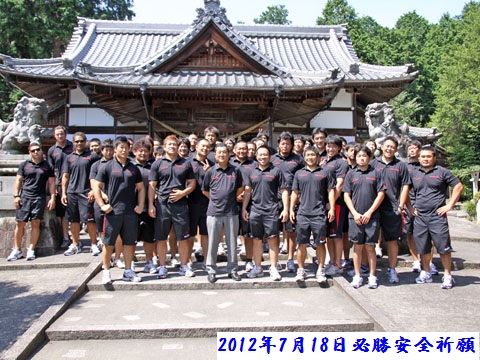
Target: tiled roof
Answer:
pixel 128 53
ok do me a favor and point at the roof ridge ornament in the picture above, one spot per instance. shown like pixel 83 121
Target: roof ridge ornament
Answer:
pixel 212 10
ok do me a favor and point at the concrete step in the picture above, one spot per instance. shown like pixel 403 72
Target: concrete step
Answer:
pixel 202 313
pixel 200 282
pixel 185 348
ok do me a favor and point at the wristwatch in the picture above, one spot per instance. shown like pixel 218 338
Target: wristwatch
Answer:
pixel 16 196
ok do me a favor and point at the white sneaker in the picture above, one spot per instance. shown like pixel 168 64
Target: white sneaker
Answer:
pixel 242 252
pixel 174 261
pixel 162 272
pixel 132 266
pixel 378 251
pixel 130 275
pixel 301 276
pixel 416 266
pixel 274 274
pixel 320 275
pixel 119 263
pixel 357 281
pixel 392 276
pixel 248 266
pixel 221 250
pixel 155 261
pixel 284 249
pixel 15 255
pixel 372 282
pixel 290 266
pixel 333 270
pixel 72 250
pixel 95 250
pixel 106 279
pixel 257 271
pixel 149 268
pixel 433 269
pixel 30 254
pixel 424 277
pixel 186 271
pixel 447 282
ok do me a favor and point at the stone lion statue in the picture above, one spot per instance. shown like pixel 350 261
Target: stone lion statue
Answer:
pixel 381 123
pixel 28 117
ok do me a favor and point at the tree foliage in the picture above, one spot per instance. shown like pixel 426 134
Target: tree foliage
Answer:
pixel 457 94
pixel 277 15
pixel 41 29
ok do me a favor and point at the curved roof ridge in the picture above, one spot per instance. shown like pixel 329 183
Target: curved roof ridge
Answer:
pixel 72 58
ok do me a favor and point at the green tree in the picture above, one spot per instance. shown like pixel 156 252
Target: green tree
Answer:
pixel 457 113
pixel 337 12
pixel 41 29
pixel 276 14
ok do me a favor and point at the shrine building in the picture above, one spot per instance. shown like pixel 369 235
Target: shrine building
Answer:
pixel 124 77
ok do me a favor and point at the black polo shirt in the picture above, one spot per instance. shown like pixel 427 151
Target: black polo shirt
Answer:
pixel 171 175
pixel 431 187
pixel 55 157
pixel 363 187
pixel 245 167
pixel 78 166
pixel 395 175
pixel 312 187
pixel 412 165
pixel 145 172
pixel 222 184
pixel 289 165
pixel 121 182
pixel 337 167
pixel 196 197
pixel 265 185
pixel 35 177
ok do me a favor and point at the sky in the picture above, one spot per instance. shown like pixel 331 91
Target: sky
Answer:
pixel 301 12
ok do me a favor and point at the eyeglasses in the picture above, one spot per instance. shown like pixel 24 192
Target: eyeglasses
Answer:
pixel 35 150
pixel 79 141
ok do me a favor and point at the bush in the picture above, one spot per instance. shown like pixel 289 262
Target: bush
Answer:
pixel 465 175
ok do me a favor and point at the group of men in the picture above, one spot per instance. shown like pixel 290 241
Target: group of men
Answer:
pixel 327 194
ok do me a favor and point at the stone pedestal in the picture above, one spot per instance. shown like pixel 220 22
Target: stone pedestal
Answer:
pixel 50 228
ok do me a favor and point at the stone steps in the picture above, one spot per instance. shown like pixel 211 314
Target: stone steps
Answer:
pixel 143 314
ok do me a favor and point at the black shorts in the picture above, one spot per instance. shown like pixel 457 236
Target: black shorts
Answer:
pixel 124 225
pixel 99 216
pixel 392 225
pixel 366 234
pixel 431 227
pixel 311 225
pixel 169 214
pixel 79 208
pixel 335 228
pixel 60 209
pixel 345 222
pixel 198 220
pixel 31 209
pixel 286 226
pixel 146 228
pixel 408 225
pixel 263 226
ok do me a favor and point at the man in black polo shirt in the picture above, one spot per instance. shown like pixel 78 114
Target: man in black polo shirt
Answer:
pixel 172 179
pixel 142 149
pixel 430 183
pixel 126 199
pixel 55 157
pixel 246 165
pixel 319 136
pixel 364 190
pixel 197 201
pixel 30 198
pixel 289 163
pixel 262 187
pixel 315 188
pixel 396 178
pixel 77 194
pixel 222 185
pixel 338 168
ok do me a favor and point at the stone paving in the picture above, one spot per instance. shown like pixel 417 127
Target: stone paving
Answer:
pixel 36 293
